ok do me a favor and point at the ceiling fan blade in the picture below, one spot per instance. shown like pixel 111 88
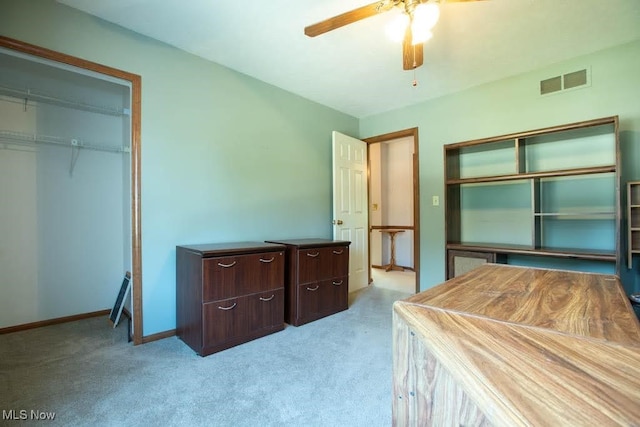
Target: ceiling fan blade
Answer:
pixel 412 55
pixel 348 17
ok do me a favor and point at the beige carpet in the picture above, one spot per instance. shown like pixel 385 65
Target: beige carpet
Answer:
pixel 332 372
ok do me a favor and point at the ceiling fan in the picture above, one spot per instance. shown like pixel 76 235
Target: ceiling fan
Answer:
pixel 412 25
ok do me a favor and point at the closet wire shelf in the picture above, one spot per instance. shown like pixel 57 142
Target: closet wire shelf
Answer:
pixel 30 139
pixel 30 94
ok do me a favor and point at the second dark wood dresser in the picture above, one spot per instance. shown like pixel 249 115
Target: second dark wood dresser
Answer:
pixel 228 293
pixel 317 279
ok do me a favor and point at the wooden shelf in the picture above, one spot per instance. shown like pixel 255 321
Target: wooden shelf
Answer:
pixel 571 253
pixel 565 192
pixel 633 214
pixel 532 175
pixel 588 215
pixel 543 131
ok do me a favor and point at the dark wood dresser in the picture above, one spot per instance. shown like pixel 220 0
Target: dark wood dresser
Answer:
pixel 317 279
pixel 228 293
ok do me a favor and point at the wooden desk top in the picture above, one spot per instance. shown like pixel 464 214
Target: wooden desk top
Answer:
pixel 533 346
pixel 590 305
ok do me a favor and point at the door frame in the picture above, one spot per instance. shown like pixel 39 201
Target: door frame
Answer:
pixel 411 132
pixel 136 233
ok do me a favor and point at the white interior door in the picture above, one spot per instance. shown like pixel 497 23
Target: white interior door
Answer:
pixel 350 204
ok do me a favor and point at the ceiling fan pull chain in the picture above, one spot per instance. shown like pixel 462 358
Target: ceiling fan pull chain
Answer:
pixel 415 64
pixel 414 82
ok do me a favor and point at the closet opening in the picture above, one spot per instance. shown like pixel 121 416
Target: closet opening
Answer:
pixel 70 168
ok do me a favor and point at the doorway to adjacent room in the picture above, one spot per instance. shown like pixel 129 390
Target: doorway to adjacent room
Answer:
pixel 394 210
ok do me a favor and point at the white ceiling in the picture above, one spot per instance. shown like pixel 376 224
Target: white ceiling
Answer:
pixel 355 69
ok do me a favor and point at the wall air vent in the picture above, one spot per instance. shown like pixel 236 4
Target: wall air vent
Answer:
pixel 554 84
pixel 575 79
pixel 564 82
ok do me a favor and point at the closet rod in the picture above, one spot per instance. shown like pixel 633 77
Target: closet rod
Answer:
pixel 30 139
pixel 25 94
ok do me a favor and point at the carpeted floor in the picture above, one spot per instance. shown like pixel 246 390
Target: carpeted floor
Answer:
pixel 332 372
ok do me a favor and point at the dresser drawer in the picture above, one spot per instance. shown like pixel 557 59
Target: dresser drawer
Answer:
pixel 229 276
pixel 265 310
pixel 311 298
pixel 320 299
pixel 248 316
pixel 339 261
pixel 224 320
pixel 322 263
pixel 338 294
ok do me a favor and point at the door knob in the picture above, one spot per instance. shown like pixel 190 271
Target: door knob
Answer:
pixel 337 222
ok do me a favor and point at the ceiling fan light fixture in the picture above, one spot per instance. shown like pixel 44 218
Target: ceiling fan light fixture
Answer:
pixel 420 36
pixel 397 27
pixel 426 16
pixel 412 24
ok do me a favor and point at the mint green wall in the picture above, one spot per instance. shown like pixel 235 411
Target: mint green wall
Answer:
pixel 224 156
pixel 513 105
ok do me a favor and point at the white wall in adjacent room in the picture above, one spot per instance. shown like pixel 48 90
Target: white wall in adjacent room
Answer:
pixel 375 203
pixel 398 203
pixel 391 186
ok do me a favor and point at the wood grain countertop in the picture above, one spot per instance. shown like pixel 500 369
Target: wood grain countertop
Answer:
pixel 505 345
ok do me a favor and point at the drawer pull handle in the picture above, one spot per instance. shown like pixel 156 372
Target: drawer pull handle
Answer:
pixel 227 265
pixel 228 308
pixel 313 289
pixel 313 255
pixel 267 260
pixel 267 299
pixel 338 252
pixel 338 283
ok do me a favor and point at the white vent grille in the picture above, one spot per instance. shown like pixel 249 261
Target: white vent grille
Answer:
pixel 572 80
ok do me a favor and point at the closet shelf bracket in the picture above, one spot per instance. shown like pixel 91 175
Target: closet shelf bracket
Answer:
pixel 75 153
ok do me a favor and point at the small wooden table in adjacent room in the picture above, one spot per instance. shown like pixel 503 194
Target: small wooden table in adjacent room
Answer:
pixel 392 238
